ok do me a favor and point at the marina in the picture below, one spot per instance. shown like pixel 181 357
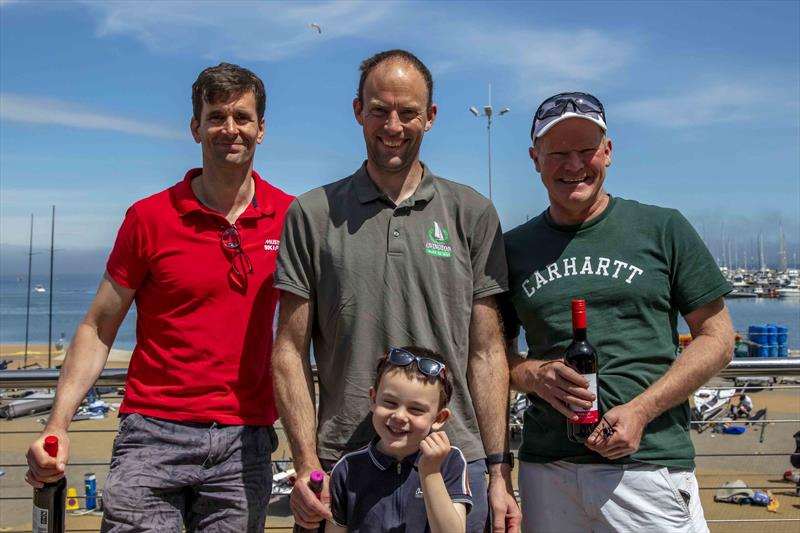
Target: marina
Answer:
pixel 758 456
pixel 764 283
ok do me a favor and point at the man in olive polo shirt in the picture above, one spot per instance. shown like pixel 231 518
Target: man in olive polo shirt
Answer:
pixel 392 255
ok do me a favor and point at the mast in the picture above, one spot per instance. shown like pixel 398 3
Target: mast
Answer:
pixel 724 248
pixel 782 263
pixel 28 305
pixel 50 312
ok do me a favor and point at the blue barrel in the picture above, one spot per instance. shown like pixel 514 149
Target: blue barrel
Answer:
pixel 90 489
pixel 783 350
pixel 757 333
pixel 772 334
pixel 773 350
pixel 783 334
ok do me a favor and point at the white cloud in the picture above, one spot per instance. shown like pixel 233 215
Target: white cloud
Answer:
pixel 36 110
pixel 722 102
pixel 535 61
pixel 577 55
pixel 84 216
pixel 19 200
pixel 267 31
pixel 699 107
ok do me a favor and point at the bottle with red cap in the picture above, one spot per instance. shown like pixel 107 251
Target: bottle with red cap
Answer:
pixel 315 484
pixel 49 510
pixel 582 357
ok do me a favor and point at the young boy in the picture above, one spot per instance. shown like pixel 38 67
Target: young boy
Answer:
pixel 408 478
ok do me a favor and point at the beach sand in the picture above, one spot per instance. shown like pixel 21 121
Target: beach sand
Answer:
pixel 91 442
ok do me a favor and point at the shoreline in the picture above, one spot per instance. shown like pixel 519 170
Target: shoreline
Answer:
pixel 37 356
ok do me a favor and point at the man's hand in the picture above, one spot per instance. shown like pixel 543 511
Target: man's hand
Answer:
pixel 506 515
pixel 619 432
pixel 308 510
pixel 434 449
pixel 559 385
pixel 41 467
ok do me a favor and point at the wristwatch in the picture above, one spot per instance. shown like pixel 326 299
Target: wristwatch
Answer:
pixel 500 458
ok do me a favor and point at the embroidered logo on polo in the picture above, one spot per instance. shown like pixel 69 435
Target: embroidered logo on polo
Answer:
pixel 418 494
pixel 272 245
pixel 437 241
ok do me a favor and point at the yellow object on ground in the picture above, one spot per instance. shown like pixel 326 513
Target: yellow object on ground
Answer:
pixel 774 504
pixel 72 499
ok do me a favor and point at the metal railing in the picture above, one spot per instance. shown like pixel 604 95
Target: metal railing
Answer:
pixel 738 368
pixel 48 377
pixel 761 366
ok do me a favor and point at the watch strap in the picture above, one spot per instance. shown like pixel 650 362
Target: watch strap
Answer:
pixel 500 458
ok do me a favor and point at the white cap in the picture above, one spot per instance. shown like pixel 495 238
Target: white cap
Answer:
pixel 543 126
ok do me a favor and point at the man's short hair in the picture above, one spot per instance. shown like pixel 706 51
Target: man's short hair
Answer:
pixel 217 84
pixel 369 64
pixel 412 372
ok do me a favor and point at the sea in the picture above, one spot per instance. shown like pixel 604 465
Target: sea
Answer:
pixel 72 294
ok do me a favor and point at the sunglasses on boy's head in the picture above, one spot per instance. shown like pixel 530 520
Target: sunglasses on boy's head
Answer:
pixel 429 367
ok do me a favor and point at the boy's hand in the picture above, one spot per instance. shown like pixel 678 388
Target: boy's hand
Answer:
pixel 434 449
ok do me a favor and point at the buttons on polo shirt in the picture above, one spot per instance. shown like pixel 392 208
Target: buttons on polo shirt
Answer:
pixel 396 233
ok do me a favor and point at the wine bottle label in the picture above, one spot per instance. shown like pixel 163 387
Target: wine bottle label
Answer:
pixel 591 415
pixel 40 520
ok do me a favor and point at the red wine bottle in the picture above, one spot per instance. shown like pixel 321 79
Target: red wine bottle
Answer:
pixel 315 484
pixel 582 357
pixel 49 502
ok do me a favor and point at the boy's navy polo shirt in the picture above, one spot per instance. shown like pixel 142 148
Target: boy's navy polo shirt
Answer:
pixel 373 492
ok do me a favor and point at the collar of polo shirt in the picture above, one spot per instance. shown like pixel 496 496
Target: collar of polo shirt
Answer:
pixel 385 462
pixel 367 191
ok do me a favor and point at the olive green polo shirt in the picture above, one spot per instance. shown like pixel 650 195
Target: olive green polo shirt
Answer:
pixel 382 275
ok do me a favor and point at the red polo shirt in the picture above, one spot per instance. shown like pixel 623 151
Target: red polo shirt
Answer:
pixel 203 333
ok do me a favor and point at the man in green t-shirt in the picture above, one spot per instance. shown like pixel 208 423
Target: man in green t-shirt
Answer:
pixel 637 266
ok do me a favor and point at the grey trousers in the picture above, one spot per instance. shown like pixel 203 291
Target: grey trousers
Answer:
pixel 207 477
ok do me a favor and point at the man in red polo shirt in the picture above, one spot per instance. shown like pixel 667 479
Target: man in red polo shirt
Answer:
pixel 198 259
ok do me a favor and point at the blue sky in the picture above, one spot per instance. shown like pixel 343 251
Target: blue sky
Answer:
pixel 703 102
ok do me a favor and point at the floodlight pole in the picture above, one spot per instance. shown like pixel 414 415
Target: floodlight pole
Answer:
pixel 488 111
pixel 489 137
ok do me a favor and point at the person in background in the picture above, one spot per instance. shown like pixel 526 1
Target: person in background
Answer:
pixel 392 255
pixel 196 434
pixel 637 267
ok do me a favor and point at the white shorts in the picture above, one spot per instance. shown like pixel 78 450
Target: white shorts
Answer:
pixel 564 497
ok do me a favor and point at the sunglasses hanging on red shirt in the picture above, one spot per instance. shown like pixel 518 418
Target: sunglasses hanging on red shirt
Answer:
pixel 240 262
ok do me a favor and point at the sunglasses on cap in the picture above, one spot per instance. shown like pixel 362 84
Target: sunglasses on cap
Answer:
pixel 429 367
pixel 579 103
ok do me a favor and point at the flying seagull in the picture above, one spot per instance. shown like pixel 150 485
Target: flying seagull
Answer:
pixel 315 26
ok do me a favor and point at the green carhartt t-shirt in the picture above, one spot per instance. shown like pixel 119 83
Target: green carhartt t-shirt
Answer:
pixel 637 266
